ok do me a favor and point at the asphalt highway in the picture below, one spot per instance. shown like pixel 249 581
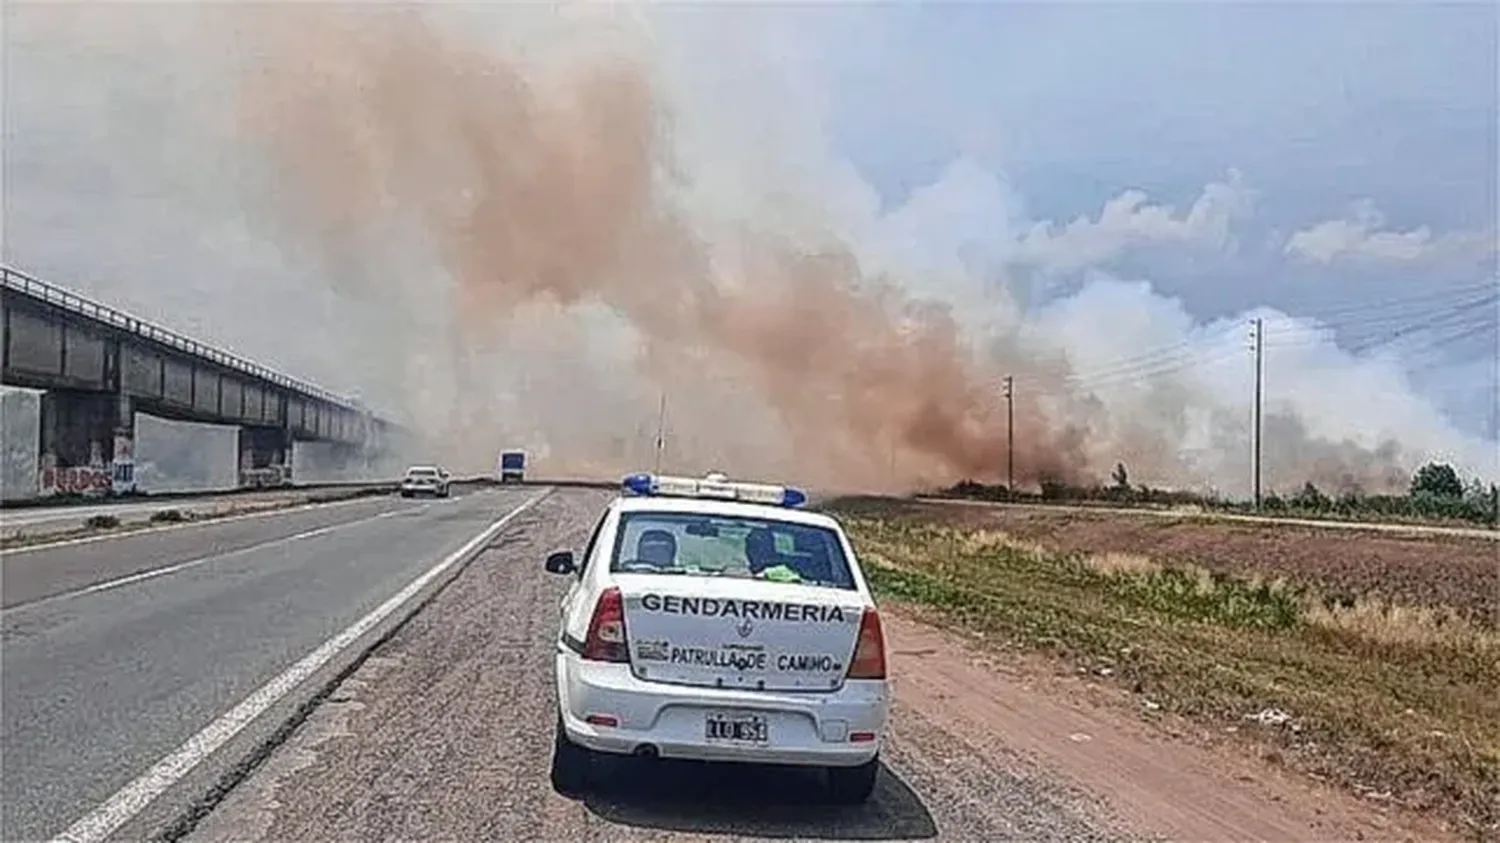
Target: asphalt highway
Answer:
pixel 118 651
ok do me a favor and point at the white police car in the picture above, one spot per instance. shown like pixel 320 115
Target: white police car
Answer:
pixel 713 620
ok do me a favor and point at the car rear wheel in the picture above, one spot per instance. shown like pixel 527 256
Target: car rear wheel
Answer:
pixel 571 763
pixel 853 785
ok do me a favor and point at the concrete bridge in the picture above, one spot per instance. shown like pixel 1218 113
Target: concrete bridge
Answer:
pixel 98 367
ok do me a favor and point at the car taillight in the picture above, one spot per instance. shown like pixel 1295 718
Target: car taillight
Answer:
pixel 606 638
pixel 869 651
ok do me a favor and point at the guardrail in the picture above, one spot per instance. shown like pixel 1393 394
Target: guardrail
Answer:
pixel 73 303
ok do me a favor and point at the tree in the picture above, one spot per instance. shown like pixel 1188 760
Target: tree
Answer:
pixel 1310 498
pixel 1439 480
pixel 1121 476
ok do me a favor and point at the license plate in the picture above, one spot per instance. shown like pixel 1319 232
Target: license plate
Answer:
pixel 737 728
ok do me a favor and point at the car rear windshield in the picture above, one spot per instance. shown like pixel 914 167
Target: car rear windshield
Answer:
pixel 730 546
pixel 422 472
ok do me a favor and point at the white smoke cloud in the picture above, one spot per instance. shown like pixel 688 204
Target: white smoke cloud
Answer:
pixel 1132 220
pixel 1362 236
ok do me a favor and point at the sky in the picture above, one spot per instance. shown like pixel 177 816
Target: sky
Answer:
pixel 1126 184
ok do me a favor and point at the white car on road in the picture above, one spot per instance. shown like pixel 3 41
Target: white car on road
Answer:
pixel 715 621
pixel 425 480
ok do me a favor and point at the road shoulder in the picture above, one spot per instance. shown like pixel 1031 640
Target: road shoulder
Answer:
pixel 1162 775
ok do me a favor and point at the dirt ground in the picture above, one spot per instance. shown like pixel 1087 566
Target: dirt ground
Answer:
pixel 445 733
pixel 1419 570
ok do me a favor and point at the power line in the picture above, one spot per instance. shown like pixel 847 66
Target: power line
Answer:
pixel 1176 352
pixel 1142 373
pixel 1401 303
pixel 1152 357
pixel 1430 310
pixel 1450 317
pixel 1415 311
pixel 1132 369
pixel 1433 311
pixel 1475 330
pixel 1182 353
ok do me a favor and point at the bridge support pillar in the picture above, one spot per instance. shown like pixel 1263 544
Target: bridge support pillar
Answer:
pixel 288 446
pixel 265 457
pixel 122 449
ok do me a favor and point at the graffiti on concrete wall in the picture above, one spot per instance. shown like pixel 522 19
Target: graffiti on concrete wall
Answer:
pixel 77 480
pixel 261 478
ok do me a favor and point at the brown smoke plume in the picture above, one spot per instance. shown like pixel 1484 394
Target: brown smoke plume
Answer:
pixel 533 187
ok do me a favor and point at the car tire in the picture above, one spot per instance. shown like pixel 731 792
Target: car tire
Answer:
pixel 571 763
pixel 405 494
pixel 853 785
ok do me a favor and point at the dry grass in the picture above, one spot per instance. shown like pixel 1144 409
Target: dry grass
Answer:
pixel 979 541
pixel 1121 563
pixel 1383 697
pixel 1381 622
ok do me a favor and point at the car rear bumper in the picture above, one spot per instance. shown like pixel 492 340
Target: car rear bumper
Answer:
pixel 669 720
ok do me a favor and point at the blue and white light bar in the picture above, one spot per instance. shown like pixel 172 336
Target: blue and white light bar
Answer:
pixel 713 486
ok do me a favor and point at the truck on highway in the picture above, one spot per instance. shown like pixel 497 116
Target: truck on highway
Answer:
pixel 512 467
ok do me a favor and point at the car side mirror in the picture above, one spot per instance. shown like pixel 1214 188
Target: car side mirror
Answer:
pixel 561 562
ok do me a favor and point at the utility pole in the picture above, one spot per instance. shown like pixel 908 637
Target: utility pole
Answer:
pixel 661 431
pixel 1010 437
pixel 1259 338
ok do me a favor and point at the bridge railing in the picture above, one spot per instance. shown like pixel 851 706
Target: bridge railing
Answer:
pixel 74 303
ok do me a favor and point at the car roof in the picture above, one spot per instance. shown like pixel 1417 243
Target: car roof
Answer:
pixel 422 468
pixel 711 506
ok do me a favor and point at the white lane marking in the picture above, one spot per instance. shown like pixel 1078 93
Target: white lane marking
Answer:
pixel 180 566
pixel 125 534
pixel 120 808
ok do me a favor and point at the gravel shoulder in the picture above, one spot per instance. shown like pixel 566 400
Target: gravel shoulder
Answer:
pixel 445 733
